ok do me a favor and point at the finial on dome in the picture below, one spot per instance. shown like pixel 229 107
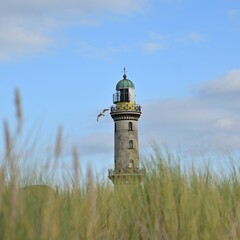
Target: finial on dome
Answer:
pixel 124 73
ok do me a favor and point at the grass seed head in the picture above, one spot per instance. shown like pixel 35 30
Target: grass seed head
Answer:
pixel 7 137
pixel 58 145
pixel 18 106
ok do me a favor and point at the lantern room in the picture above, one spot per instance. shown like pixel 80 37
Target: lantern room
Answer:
pixel 125 91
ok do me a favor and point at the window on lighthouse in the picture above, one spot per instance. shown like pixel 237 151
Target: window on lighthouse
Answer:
pixel 131 164
pixel 124 95
pixel 130 126
pixel 130 144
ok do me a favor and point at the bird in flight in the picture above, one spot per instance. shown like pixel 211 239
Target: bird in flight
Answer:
pixel 102 113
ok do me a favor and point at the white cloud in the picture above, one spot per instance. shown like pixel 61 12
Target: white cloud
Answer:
pixel 157 36
pixel 225 124
pixel 92 51
pixel 155 43
pixel 99 143
pixel 152 47
pixel 41 8
pixel 228 84
pixel 191 37
pixel 233 12
pixel 33 20
pixel 18 41
pixel 207 122
pixel 195 36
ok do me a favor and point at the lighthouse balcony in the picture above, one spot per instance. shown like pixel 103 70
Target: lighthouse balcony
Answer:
pixel 126 171
pixel 126 106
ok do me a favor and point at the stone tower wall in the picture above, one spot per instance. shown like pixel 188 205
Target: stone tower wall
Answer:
pixel 126 145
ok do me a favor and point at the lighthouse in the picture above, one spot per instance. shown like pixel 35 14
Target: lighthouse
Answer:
pixel 125 114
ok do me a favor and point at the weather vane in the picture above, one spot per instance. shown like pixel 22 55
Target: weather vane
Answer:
pixel 124 72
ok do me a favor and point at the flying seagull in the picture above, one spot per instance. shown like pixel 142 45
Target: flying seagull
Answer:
pixel 102 113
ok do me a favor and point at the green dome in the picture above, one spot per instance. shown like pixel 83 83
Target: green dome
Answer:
pixel 124 83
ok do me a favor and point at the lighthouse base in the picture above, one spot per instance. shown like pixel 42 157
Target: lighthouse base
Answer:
pixel 129 176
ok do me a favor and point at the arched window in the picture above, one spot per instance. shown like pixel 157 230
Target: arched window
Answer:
pixel 131 163
pixel 130 144
pixel 130 126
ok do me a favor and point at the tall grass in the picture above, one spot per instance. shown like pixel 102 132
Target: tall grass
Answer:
pixel 169 203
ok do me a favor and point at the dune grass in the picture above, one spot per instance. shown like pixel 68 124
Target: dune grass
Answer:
pixel 170 203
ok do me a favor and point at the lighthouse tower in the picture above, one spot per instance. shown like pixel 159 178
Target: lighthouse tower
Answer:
pixel 125 113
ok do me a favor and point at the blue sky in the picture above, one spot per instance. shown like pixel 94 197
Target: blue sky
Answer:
pixel 66 58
